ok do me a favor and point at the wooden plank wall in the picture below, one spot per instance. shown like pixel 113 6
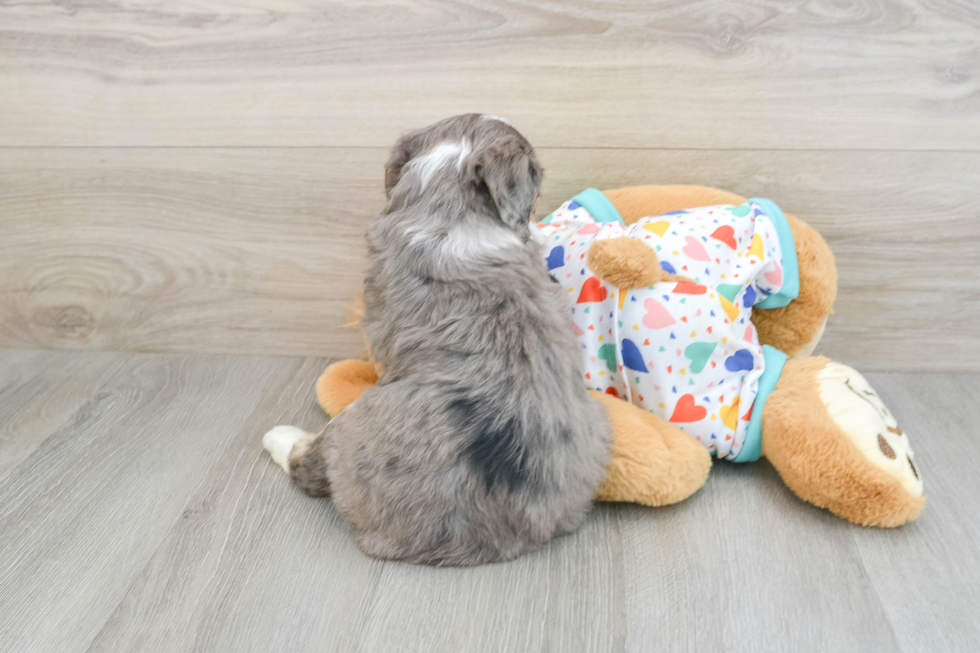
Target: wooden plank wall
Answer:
pixel 197 177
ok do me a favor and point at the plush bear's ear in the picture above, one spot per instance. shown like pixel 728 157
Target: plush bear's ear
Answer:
pixel 508 173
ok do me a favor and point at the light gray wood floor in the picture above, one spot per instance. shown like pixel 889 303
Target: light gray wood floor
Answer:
pixel 138 512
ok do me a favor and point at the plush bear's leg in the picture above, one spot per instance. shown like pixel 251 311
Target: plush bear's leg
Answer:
pixel 796 328
pixel 837 446
pixel 342 383
pixel 653 462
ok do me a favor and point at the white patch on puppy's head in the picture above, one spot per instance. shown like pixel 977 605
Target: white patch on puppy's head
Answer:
pixel 443 154
pixel 497 118
pixel 466 244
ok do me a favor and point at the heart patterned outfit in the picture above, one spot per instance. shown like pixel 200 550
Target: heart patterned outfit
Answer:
pixel 686 351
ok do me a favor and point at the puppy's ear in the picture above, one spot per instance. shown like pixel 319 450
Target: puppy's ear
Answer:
pixel 510 173
pixel 400 155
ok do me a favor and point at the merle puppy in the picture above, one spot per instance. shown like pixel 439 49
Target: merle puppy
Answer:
pixel 479 442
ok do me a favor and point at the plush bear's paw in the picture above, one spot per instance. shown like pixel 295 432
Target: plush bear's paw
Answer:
pixel 342 383
pixel 860 414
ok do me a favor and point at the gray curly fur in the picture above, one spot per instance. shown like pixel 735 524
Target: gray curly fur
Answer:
pixel 479 442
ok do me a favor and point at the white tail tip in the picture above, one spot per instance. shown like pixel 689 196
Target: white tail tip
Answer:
pixel 280 441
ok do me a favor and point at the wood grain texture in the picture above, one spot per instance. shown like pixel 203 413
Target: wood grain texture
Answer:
pixel 252 565
pixel 120 249
pixel 154 522
pixel 260 250
pixel 928 575
pixel 41 392
pixel 82 515
pixel 886 74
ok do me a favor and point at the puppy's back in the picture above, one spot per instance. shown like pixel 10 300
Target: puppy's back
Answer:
pixel 480 441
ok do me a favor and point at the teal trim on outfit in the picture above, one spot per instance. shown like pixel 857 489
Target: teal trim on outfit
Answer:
pixel 752 446
pixel 598 205
pixel 791 270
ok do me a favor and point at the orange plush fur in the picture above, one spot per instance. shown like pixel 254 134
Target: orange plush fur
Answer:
pixel 653 462
pixel 819 462
pixel 342 383
pixel 625 263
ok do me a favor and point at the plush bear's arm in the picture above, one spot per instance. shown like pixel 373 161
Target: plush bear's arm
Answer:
pixel 628 263
pixel 625 263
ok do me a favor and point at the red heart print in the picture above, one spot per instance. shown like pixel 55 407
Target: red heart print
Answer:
pixel 688 288
pixel 687 411
pixel 592 291
pixel 725 234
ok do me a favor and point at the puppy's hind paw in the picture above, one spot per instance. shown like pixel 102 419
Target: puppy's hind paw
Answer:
pixel 280 441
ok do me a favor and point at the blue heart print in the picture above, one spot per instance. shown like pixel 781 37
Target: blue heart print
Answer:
pixel 556 258
pixel 574 205
pixel 632 358
pixel 739 361
pixel 667 267
pixel 748 299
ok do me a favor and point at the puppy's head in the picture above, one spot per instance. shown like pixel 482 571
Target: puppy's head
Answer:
pixel 482 158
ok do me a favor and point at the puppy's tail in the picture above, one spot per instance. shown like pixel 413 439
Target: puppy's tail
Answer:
pixel 281 440
pixel 300 455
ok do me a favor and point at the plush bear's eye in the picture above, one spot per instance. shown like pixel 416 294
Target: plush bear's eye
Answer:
pixel 885 447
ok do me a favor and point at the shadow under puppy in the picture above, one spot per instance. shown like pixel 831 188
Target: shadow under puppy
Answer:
pixel 479 441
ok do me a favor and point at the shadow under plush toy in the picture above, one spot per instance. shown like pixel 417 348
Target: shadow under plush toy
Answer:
pixel 697 326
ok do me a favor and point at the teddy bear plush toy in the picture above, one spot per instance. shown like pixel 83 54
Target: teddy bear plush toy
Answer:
pixel 697 311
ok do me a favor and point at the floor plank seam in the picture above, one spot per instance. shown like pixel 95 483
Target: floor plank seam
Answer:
pixel 852 537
